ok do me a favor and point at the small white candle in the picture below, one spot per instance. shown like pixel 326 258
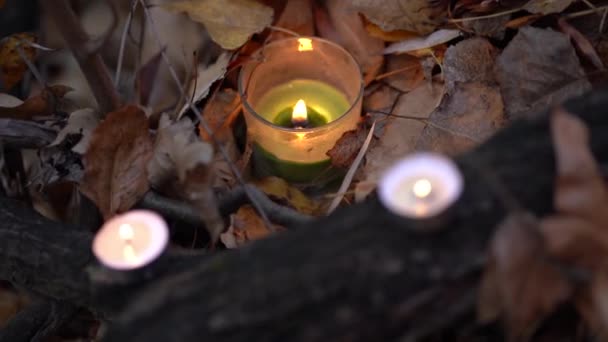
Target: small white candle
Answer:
pixel 421 185
pixel 131 240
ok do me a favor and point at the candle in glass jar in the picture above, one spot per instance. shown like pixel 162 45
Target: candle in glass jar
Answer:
pixel 421 185
pixel 300 96
pixel 131 240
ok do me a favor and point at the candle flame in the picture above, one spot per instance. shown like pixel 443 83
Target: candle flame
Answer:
pixel 128 252
pixel 422 188
pixel 126 232
pixel 305 44
pixel 299 114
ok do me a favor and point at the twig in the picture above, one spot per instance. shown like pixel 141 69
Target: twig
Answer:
pixel 205 125
pixel 123 41
pixel 31 66
pixel 351 171
pixel 228 203
pixel 90 62
pixel 586 12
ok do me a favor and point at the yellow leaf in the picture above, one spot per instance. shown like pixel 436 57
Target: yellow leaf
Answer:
pixel 246 225
pixel 230 23
pixel 12 64
pixel 279 190
pixel 388 36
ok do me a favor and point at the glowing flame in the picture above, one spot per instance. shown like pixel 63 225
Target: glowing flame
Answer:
pixel 299 113
pixel 126 232
pixel 422 188
pixel 305 44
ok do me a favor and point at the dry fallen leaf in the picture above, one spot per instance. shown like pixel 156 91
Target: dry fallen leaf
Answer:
pixel 520 284
pixel 230 23
pixel 246 225
pixel 582 43
pixel 11 62
pixel 342 24
pixel 467 117
pixel 279 190
pixel 206 77
pixel 401 133
pixel 388 36
pixel 538 68
pixel 219 114
pixel 43 104
pixel 82 121
pixel 115 162
pixel 420 43
pixel 296 17
pixel 547 6
pixel 345 151
pixel 405 72
pixel 577 234
pixel 471 60
pixel 180 166
pixel 420 16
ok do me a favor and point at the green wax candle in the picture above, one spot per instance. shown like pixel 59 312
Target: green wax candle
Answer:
pixel 324 104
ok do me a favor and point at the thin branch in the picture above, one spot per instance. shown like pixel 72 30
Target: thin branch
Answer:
pixel 237 174
pixel 228 203
pixel 123 41
pixel 91 64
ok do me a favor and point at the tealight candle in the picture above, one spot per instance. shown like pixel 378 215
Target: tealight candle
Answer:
pixel 420 186
pixel 299 96
pixel 131 240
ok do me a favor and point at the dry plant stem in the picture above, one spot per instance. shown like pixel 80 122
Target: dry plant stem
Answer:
pixel 203 122
pixel 91 63
pixel 123 41
pixel 351 171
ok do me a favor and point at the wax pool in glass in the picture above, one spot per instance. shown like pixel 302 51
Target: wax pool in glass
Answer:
pixel 299 96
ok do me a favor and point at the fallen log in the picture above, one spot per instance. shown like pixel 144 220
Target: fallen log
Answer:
pixel 360 274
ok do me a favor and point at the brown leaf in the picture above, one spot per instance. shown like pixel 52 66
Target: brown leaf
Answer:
pixel 230 23
pixel 471 60
pixel 401 131
pixel 341 23
pixel 522 286
pixel 347 147
pixel 490 27
pixel 12 64
pixel 388 36
pixel 297 16
pixel 467 117
pixel 246 225
pixel 405 70
pixel 539 68
pixel 582 43
pixel 43 104
pixel 115 163
pixel 420 16
pixel 279 190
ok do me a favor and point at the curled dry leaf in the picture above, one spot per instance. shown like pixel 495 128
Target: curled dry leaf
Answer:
pixel 83 122
pixel 11 62
pixel 230 23
pixel 206 76
pixel 520 284
pixel 420 43
pixel 420 16
pixel 341 23
pixel 577 234
pixel 345 151
pixel 582 43
pixel 180 165
pixel 115 163
pixel 388 36
pixel 246 225
pixel 43 104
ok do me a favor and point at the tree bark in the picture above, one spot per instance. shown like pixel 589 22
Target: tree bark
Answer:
pixel 360 274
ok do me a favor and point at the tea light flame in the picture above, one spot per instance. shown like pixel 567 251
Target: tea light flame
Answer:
pixel 422 188
pixel 299 116
pixel 305 44
pixel 125 231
